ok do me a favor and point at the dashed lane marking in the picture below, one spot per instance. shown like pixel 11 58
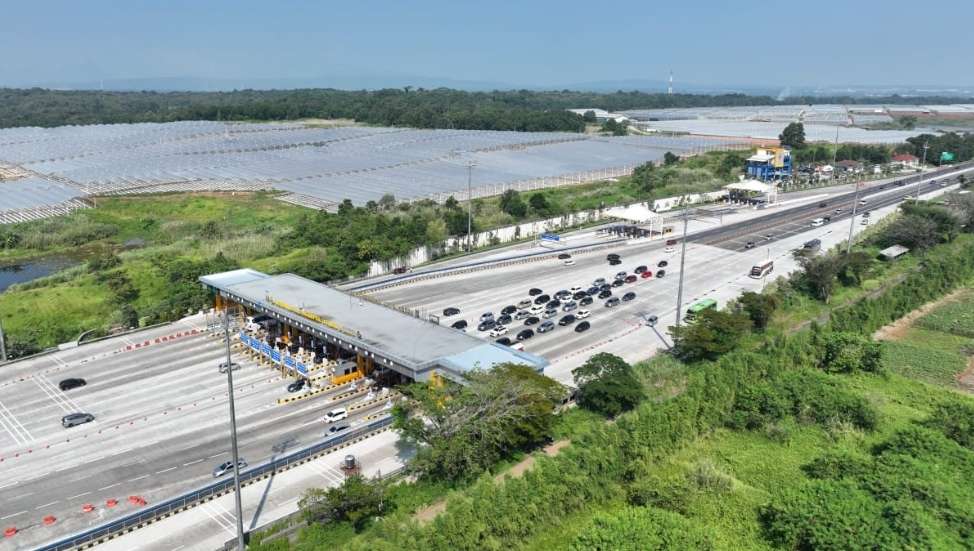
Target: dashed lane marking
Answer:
pixel 79 495
pixel 166 470
pixel 138 478
pixel 192 462
pixel 39 507
pixel 109 486
pixel 12 515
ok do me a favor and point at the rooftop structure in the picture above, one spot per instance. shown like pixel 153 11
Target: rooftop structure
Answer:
pixel 393 339
pixel 769 163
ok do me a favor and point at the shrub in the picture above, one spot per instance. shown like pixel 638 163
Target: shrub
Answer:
pixel 640 529
pixel 849 353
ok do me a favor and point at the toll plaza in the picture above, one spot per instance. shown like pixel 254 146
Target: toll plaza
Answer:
pixel 315 326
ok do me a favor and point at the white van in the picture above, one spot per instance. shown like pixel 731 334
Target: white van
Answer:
pixel 336 415
pixel 818 222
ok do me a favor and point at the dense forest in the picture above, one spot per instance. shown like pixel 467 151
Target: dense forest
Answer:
pixel 523 110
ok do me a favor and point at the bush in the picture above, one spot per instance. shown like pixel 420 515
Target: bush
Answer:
pixel 955 420
pixel 640 529
pixel 850 353
pixel 607 385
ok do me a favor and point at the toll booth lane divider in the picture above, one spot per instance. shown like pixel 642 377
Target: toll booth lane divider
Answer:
pixel 134 521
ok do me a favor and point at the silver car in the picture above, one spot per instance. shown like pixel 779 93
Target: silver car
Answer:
pixel 570 306
pixel 75 419
pixel 546 326
pixel 550 313
pixel 227 467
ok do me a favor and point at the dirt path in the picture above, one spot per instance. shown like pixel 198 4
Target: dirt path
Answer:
pixel 897 330
pixel 965 379
pixel 430 512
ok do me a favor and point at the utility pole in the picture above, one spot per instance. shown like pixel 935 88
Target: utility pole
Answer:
pixel 469 206
pixel 683 256
pixel 923 162
pixel 852 220
pixel 835 153
pixel 228 368
pixel 3 344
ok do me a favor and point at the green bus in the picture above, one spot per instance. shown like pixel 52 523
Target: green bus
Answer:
pixel 697 307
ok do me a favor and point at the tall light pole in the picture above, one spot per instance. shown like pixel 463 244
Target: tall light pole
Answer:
pixel 852 220
pixel 470 165
pixel 229 368
pixel 683 256
pixel 923 162
pixel 3 345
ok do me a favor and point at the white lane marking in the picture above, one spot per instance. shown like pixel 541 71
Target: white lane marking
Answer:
pixel 13 515
pixel 177 548
pixel 45 505
pixel 79 495
pixel 23 435
pixel 23 495
pixel 192 462
pixel 217 455
pixel 220 521
pixel 109 486
pixel 166 470
pixel 8 484
pixel 138 478
pixel 58 401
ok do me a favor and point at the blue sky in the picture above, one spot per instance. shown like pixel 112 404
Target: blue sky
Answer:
pixel 547 43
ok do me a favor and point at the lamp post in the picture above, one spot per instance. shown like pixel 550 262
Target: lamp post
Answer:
pixel 229 367
pixel 683 256
pixel 923 162
pixel 470 166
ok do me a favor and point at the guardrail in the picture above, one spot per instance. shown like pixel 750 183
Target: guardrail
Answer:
pixel 175 505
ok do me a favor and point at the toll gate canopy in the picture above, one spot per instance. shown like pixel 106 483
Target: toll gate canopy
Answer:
pixel 395 340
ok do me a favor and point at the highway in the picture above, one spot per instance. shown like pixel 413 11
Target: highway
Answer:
pixel 161 427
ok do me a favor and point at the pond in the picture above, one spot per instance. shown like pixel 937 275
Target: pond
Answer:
pixel 30 270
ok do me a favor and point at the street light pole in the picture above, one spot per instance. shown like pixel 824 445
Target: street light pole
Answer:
pixel 469 207
pixel 683 256
pixel 3 344
pixel 923 162
pixel 228 367
pixel 852 220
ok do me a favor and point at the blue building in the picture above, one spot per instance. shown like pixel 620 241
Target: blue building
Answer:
pixel 769 163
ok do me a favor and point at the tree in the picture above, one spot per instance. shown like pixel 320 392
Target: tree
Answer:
pixel 759 307
pixel 512 204
pixel 464 430
pixel 911 231
pixel 646 177
pixel 854 267
pixel 539 203
pixel 607 385
pixel 614 127
pixel 670 159
pixel 589 116
pixel 451 203
pixel 849 353
pixel 963 205
pixel 387 201
pixel 436 231
pixel 818 275
pixel 793 135
pixel 713 334
pixel 356 501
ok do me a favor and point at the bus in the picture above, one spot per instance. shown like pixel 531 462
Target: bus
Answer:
pixel 697 307
pixel 760 270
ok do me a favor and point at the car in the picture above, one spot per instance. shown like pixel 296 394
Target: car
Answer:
pixel 582 314
pixel 459 324
pixel 621 275
pixel 640 269
pixel 562 295
pixel 569 262
pixel 628 296
pixel 605 294
pixel 400 270
pixel 75 419
pixel 296 386
pixel 541 299
pixel 585 301
pixel 575 289
pixel 660 273
pixel 615 262
pixel 612 256
pixel 827 219
pixel 822 205
pixel 521 314
pixel 768 236
pixel 598 282
pixel 554 303
pixel 498 331
pixel 566 320
pixel 506 341
pixel 865 214
pixel 618 283
pixel 534 291
pixel 546 326
pixel 509 309
pixel 336 414
pixel 838 211
pixel 631 278
pixel 652 321
pixel 227 467
pixel 605 287
pixel 525 335
pixel 592 291
pixel 564 256
pixel 447 312
pixel 864 222
pixel 532 320
pixel 862 201
pixel 486 325
pixel 68 384
pixel 486 316
pixel 582 327
pixel 537 309
pixel 662 264
pixel 579 295
pixel 612 302
pixel 524 304
pixel 549 313
pixel 749 245
pixel 335 429
pixel 646 275
pixel 569 306
pixel 504 320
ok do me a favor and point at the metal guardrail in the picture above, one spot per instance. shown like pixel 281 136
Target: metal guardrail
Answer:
pixel 138 519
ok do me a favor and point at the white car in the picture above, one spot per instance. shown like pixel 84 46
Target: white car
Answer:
pixel 537 309
pixel 498 331
pixel 569 262
pixel 576 289
pixel 582 314
pixel 336 415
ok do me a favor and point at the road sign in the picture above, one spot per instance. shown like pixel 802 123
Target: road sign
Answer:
pixel 276 356
pixel 946 156
pixel 550 237
pixel 302 369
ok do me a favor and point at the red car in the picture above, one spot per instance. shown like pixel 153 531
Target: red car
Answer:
pixel 631 278
pixel 646 275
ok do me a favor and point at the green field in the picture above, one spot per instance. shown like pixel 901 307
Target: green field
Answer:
pixel 955 317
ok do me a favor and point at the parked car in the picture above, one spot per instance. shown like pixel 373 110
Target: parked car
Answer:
pixel 582 314
pixel 640 269
pixel 827 219
pixel 506 341
pixel 68 384
pixel 487 325
pixel 541 299
pixel 451 311
pixel 459 324
pixel 537 309
pixel 498 330
pixel 631 278
pixel 532 320
pixel 546 326
pixel 535 291
pixel 646 275
pixel 509 309
pixel 749 245
pixel 662 264
pixel 549 313
pixel 621 275
pixel 618 283
pixel 628 296
pixel 585 301
pixel 566 320
pixel 400 270
pixel 592 291
pixel 227 467
pixel 605 287
pixel 582 327
pixel 296 386
pixel 525 335
pixel 612 256
pixel 605 294
pixel 660 273
pixel 599 282
pixel 579 295
pixel 612 302
pixel 554 303
pixel 563 294
pixel 337 414
pixel 75 419
pixel 569 306
pixel 575 289
pixel 564 256
pixel 524 304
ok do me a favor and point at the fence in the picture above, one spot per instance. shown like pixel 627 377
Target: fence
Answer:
pixel 175 505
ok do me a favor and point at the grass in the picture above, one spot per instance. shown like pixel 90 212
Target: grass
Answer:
pixel 955 317
pixel 56 313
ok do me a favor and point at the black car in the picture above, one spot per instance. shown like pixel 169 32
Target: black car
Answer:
pixel 822 205
pixel 509 309
pixel 618 283
pixel 532 320
pixel 582 327
pixel 749 245
pixel 535 291
pixel 525 335
pixel 296 386
pixel 605 287
pixel 564 256
pixel 68 384
pixel 338 428
pixel 585 301
pixel 592 291
pixel 460 324
pixel 652 321
pixel 400 270
pixel 640 269
pixel 554 303
pixel 826 219
pixel 615 262
pixel 661 264
pixel 580 295
pixel 660 273
pixel 562 295
pixel 506 341
pixel 605 294
pixel 487 325
pixel 504 320
pixel 542 299
pixel 612 256
pixel 628 296
pixel 565 320
pixel 447 312
pixel 612 302
pixel 630 279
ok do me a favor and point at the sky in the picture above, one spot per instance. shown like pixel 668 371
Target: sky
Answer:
pixel 515 44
